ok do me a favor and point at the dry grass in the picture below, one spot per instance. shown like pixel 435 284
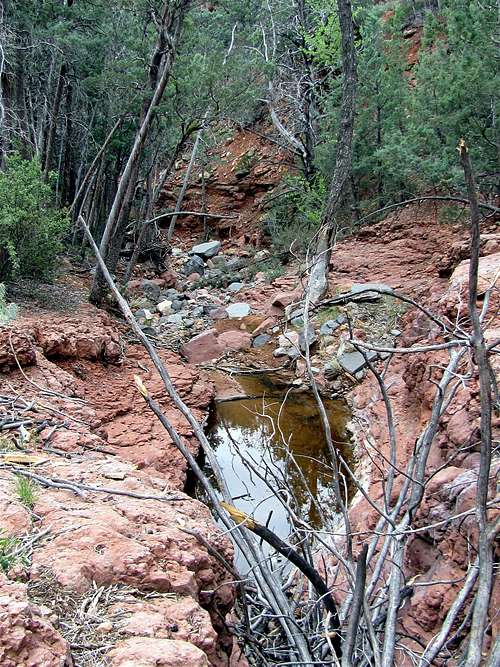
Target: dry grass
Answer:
pixel 80 618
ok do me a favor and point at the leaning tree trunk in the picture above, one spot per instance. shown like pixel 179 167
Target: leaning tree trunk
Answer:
pixel 187 177
pixel 172 19
pixel 318 276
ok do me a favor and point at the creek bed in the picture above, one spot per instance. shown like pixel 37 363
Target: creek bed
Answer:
pixel 271 440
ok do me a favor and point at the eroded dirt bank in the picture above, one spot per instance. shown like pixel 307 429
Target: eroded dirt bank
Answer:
pixel 112 577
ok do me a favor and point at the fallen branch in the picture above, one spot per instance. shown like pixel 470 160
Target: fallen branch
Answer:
pixel 77 488
pixel 290 554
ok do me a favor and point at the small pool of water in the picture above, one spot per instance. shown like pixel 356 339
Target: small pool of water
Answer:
pixel 271 439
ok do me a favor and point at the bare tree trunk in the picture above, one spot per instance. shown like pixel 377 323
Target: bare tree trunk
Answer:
pixel 187 177
pixel 169 33
pixel 318 276
pixel 485 550
pixel 53 121
pixel 92 167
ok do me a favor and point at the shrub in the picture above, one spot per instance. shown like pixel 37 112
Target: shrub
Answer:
pixel 31 228
pixel 293 218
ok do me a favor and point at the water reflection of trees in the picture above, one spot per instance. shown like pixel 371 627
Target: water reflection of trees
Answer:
pixel 272 431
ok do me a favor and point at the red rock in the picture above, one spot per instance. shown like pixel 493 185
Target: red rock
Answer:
pixel 149 652
pixel 16 346
pixel 203 347
pixel 193 277
pixel 169 278
pixel 27 637
pixel 284 299
pixel 181 619
pixel 235 340
pixel 133 285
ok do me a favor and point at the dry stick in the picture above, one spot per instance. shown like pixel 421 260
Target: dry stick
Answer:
pixel 397 536
pixel 290 554
pixel 187 176
pixel 357 605
pixel 76 487
pixel 481 604
pixel 435 646
pixel 461 200
pixel 266 580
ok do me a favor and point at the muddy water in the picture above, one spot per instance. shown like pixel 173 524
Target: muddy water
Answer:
pixel 272 439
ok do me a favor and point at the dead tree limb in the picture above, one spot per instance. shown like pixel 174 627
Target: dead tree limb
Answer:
pixel 294 557
pixel 318 275
pixel 94 163
pixel 481 604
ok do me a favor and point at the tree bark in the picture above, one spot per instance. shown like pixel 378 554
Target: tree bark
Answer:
pixel 318 276
pixel 485 547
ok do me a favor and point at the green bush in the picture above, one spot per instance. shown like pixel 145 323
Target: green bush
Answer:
pixel 31 228
pixel 293 218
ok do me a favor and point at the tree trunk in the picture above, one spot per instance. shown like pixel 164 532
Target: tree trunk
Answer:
pixel 152 202
pixel 172 19
pixel 53 121
pixel 318 276
pixel 3 134
pixel 187 176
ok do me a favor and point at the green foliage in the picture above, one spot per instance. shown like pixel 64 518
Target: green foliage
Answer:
pixel 26 491
pixel 294 217
pixel 31 228
pixel 452 214
pixel 8 311
pixel 410 117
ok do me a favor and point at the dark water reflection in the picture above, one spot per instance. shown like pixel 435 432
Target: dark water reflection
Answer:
pixel 254 437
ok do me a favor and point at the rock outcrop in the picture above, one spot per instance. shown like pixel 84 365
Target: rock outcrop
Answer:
pixel 116 520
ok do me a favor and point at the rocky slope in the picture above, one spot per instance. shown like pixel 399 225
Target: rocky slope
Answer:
pixel 106 542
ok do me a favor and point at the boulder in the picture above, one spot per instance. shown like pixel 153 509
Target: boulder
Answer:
pixel 261 340
pixel 206 250
pixel 353 362
pixel 155 652
pixel 238 310
pixel 27 636
pixel 219 260
pixel 329 327
pixel 235 287
pixel 151 289
pixel 289 339
pixel 164 307
pixel 175 318
pixel 194 265
pixel 311 337
pixel 143 315
pixel 218 313
pixel 284 299
pixel 202 348
pixel 235 340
